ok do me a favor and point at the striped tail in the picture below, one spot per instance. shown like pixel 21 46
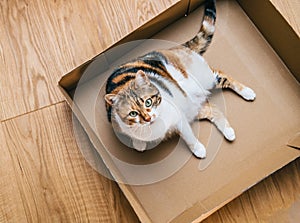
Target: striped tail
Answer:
pixel 203 38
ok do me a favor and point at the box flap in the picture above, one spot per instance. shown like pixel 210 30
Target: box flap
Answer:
pixel 294 142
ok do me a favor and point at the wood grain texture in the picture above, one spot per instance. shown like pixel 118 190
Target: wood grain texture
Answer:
pixel 121 17
pixel 42 40
pixel 44 177
pixel 10 198
pixel 290 10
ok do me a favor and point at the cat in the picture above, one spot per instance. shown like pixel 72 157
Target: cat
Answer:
pixel 161 93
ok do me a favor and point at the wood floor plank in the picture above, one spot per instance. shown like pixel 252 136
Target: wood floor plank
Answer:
pixel 51 180
pixel 120 17
pixel 42 40
pixel 290 11
pixel 10 198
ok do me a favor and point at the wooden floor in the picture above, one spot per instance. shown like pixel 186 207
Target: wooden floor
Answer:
pixel 43 176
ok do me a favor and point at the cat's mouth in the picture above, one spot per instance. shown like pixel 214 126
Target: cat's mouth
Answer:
pixel 148 123
pixel 148 131
pixel 153 118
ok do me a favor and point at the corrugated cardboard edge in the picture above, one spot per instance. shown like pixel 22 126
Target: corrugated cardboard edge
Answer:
pixel 276 30
pixel 70 80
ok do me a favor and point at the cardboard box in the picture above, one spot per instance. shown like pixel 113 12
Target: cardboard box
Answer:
pixel 267 129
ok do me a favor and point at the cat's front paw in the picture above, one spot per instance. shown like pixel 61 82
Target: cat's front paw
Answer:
pixel 139 145
pixel 199 150
pixel 248 94
pixel 229 133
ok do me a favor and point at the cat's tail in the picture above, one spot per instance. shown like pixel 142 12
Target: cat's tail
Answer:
pixel 203 38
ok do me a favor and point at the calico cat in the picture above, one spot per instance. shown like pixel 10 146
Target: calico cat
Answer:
pixel 161 93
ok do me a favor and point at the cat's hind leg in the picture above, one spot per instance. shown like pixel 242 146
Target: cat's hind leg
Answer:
pixel 225 81
pixel 212 113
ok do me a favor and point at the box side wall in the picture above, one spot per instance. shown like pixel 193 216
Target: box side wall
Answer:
pixel 276 30
pixel 193 4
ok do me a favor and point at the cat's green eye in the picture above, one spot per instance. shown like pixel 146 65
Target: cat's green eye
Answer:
pixel 148 102
pixel 133 113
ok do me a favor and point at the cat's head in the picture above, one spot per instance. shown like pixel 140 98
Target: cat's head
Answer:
pixel 137 103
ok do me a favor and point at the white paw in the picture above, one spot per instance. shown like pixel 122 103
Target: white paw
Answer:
pixel 248 94
pixel 199 150
pixel 139 145
pixel 229 133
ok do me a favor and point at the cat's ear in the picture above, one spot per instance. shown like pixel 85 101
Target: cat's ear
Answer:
pixel 110 98
pixel 141 79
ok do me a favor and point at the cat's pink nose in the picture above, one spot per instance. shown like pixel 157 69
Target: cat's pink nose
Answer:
pixel 147 118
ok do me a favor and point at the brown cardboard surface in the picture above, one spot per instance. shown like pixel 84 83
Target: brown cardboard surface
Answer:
pixel 193 4
pixel 263 127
